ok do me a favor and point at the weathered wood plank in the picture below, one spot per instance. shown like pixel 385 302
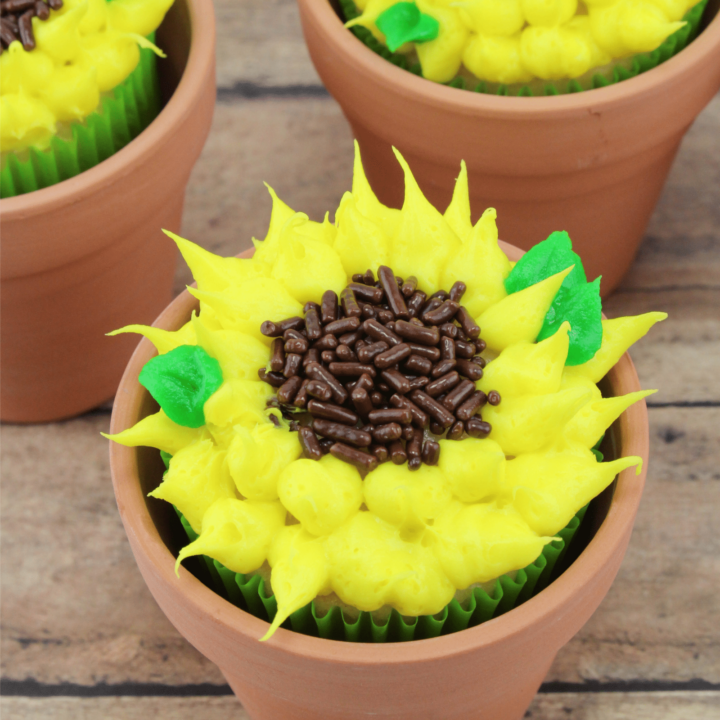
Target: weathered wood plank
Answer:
pixel 122 708
pixel 585 706
pixel 75 608
pixel 680 355
pixel 261 42
pixel 74 605
pixel 626 706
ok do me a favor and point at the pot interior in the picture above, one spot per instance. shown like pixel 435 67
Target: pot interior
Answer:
pixel 174 38
pixel 151 468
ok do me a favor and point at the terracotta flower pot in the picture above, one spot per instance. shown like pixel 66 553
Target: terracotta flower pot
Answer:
pixel 86 256
pixel 592 163
pixel 490 671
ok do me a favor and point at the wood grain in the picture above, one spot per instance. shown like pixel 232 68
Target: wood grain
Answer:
pixel 260 42
pixel 586 706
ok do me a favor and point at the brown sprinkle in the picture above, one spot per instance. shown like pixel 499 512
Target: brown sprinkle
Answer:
pixel 374 369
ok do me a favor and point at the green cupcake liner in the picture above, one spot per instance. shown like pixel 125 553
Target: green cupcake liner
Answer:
pixel 249 593
pixel 635 66
pixel 134 104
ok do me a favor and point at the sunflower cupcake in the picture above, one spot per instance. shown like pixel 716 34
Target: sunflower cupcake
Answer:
pixel 78 83
pixel 382 420
pixel 526 47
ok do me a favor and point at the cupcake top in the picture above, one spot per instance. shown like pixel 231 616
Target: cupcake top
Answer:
pixel 58 59
pixel 517 41
pixel 318 496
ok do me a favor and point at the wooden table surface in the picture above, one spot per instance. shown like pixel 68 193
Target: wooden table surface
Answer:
pixel 83 638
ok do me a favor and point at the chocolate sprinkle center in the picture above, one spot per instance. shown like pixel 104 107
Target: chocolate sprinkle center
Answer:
pixel 380 373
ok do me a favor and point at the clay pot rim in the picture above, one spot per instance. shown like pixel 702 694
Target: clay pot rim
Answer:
pixel 408 85
pixel 136 152
pixel 540 608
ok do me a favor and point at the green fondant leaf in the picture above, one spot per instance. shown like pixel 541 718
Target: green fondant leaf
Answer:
pixel 582 308
pixel 577 301
pixel 596 450
pixel 181 381
pixel 545 259
pixel 403 22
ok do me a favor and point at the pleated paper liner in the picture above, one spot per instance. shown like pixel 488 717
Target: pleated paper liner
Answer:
pixel 134 104
pixel 249 593
pixel 597 78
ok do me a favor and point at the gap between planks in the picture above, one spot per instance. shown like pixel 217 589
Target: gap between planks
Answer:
pixel 33 689
pixel 623 706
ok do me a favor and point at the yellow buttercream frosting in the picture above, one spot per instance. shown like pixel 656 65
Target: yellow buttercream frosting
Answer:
pixel 517 41
pixel 391 538
pixel 83 50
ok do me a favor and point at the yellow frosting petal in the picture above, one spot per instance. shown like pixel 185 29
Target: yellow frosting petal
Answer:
pixel 59 36
pixel 481 265
pixel 674 9
pixel 74 91
pixel 24 121
pixel 551 53
pixel 160 432
pixel 618 335
pixel 372 566
pixel 528 368
pixel 457 216
pixel 387 219
pixel 496 59
pixel 547 489
pixel 240 355
pixel 322 494
pixel 478 543
pixel 360 243
pixel 95 19
pixel 163 340
pixel 306 267
pixel 587 427
pixel 213 273
pixel 548 13
pixel 257 456
pixel 632 26
pixel 492 17
pixel 137 16
pixel 299 572
pixel 197 477
pixel 519 316
pixel 424 240
pixel 267 249
pixel 404 499
pixel 529 423
pixel 237 533
pixel 238 402
pixel 111 55
pixel 245 308
pixel 575 381
pixel 324 232
pixel 474 468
